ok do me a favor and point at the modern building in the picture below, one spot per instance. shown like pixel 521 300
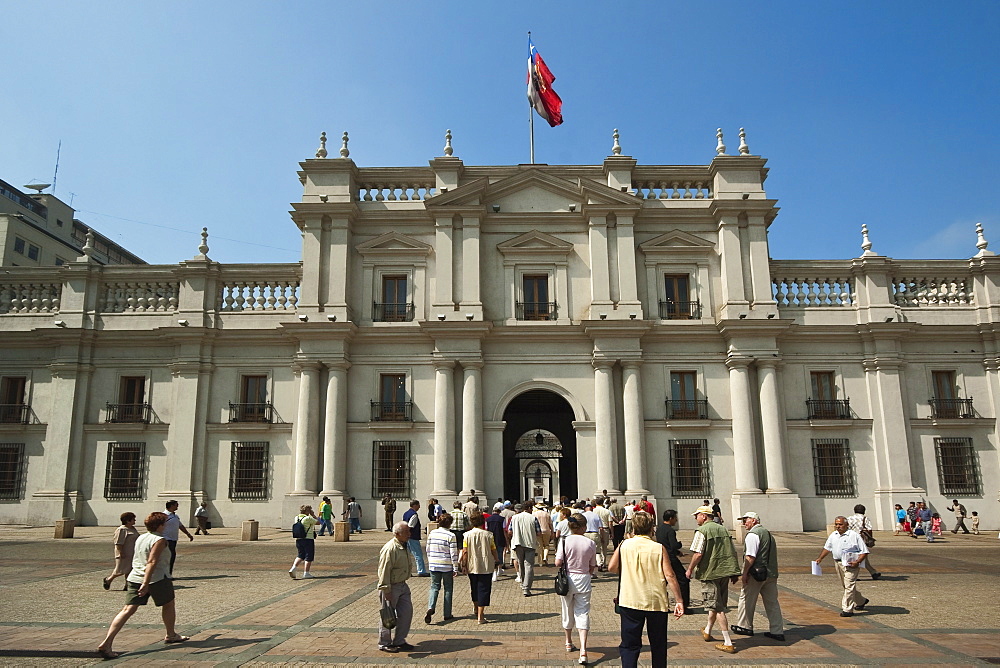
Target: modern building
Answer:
pixel 40 230
pixel 521 331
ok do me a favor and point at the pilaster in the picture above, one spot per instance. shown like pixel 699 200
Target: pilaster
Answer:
pixel 607 442
pixel 444 428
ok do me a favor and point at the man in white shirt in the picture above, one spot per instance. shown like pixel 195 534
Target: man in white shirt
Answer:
pixel 760 550
pixel 604 536
pixel 848 552
pixel 524 530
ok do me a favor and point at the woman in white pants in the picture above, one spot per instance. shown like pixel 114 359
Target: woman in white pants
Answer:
pixel 579 555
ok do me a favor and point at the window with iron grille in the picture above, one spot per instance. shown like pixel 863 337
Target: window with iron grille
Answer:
pixel 248 470
pixel 125 475
pixel 689 468
pixel 11 470
pixel 832 467
pixel 958 467
pixel 391 468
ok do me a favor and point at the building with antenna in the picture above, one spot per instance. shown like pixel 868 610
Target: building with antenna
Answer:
pixel 520 331
pixel 40 230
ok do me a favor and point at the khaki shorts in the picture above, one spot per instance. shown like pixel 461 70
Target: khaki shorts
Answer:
pixel 162 592
pixel 715 595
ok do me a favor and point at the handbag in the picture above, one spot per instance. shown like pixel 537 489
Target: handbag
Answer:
pixel 758 572
pixel 866 534
pixel 562 581
pixel 388 614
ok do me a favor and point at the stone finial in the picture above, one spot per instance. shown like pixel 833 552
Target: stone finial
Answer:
pixel 720 149
pixel 866 243
pixel 448 150
pixel 617 148
pixel 344 153
pixel 744 149
pixel 203 246
pixel 321 151
pixel 981 242
pixel 88 246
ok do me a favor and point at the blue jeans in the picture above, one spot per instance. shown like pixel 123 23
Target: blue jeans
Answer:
pixel 656 628
pixel 437 577
pixel 926 526
pixel 355 524
pixel 418 555
pixel 325 525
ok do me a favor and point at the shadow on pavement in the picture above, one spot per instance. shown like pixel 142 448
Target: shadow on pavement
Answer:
pixel 887 609
pixel 204 577
pixel 429 648
pixel 808 632
pixel 519 616
pixel 214 642
pixel 50 653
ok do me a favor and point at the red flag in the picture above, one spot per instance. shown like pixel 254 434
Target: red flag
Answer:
pixel 545 100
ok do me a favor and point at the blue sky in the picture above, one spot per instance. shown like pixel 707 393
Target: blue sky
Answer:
pixel 175 116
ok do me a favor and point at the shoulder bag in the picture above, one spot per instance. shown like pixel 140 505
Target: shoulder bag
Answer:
pixel 866 534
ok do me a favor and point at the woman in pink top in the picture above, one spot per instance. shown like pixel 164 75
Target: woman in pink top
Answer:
pixel 579 555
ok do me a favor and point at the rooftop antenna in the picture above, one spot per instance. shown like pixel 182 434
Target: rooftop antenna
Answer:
pixel 56 173
pixel 38 187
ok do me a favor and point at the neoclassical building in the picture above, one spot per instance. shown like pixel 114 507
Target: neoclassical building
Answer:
pixel 521 331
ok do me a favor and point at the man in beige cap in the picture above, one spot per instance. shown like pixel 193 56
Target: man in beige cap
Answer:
pixel 760 551
pixel 713 561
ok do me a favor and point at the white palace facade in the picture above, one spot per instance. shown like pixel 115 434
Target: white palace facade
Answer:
pixel 521 331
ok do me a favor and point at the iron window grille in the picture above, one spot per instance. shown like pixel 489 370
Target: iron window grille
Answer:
pixel 829 409
pixel 392 312
pixel 125 475
pixel 670 310
pixel 958 467
pixel 951 408
pixel 126 413
pixel 263 412
pixel 689 467
pixel 392 411
pixel 687 409
pixel 832 467
pixel 15 413
pixel 249 465
pixel 535 311
pixel 391 469
pixel 12 469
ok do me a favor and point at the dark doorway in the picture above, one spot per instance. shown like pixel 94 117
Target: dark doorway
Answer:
pixel 532 411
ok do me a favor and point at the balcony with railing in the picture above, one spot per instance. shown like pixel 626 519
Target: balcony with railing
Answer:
pixel 687 409
pixel 15 413
pixel 680 310
pixel 951 408
pixel 391 411
pixel 535 311
pixel 259 412
pixel 829 409
pixel 129 413
pixel 392 312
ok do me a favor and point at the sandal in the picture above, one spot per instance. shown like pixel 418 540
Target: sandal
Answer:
pixel 178 638
pixel 583 659
pixel 107 654
pixel 107 583
pixel 569 647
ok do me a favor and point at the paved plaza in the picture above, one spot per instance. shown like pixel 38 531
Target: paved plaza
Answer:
pixel 935 605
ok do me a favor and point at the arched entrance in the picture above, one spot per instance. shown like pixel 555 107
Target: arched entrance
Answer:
pixel 539 447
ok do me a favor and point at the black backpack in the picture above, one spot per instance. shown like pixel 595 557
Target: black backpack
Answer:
pixel 298 529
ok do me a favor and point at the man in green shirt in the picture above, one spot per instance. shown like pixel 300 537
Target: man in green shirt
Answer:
pixel 325 517
pixel 714 562
pixel 395 566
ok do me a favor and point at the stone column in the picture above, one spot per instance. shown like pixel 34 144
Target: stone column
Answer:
pixel 734 297
pixel 470 268
pixel 306 428
pixel 444 428
pixel 335 444
pixel 600 279
pixel 770 418
pixel 182 435
pixel 743 459
pixel 472 427
pixel 443 296
pixel 635 447
pixel 628 297
pixel 607 446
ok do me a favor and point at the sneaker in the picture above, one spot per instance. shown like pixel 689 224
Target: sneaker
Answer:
pixel 307 576
pixel 405 646
pixel 291 574
pixel 527 594
pixel 876 576
pixel 518 579
pixel 427 617
pixel 741 630
pixel 388 648
pixel 861 606
pixel 846 613
pixel 496 576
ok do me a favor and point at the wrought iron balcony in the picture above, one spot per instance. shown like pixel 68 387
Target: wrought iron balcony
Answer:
pixel 687 409
pixel 251 412
pixel 680 310
pixel 535 311
pixel 125 413
pixel 392 312
pixel 15 413
pixel 829 409
pixel 952 408
pixel 392 411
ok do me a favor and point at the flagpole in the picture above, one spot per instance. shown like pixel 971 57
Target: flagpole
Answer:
pixel 531 116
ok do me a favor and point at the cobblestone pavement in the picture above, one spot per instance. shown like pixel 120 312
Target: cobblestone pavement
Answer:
pixel 936 604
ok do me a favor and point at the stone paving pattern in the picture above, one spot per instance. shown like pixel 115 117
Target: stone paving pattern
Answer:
pixel 238 603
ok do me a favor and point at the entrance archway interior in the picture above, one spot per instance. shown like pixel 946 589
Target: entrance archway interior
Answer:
pixel 525 456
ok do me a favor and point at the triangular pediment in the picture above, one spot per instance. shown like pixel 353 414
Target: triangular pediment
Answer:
pixel 535 243
pixel 535 191
pixel 677 241
pixel 394 243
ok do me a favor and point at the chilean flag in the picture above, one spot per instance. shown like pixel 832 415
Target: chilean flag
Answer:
pixel 545 100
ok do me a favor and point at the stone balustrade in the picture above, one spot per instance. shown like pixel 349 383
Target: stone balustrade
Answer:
pixel 138 296
pixel 258 295
pixel 813 291
pixel 686 189
pixel 943 291
pixel 395 192
pixel 30 297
